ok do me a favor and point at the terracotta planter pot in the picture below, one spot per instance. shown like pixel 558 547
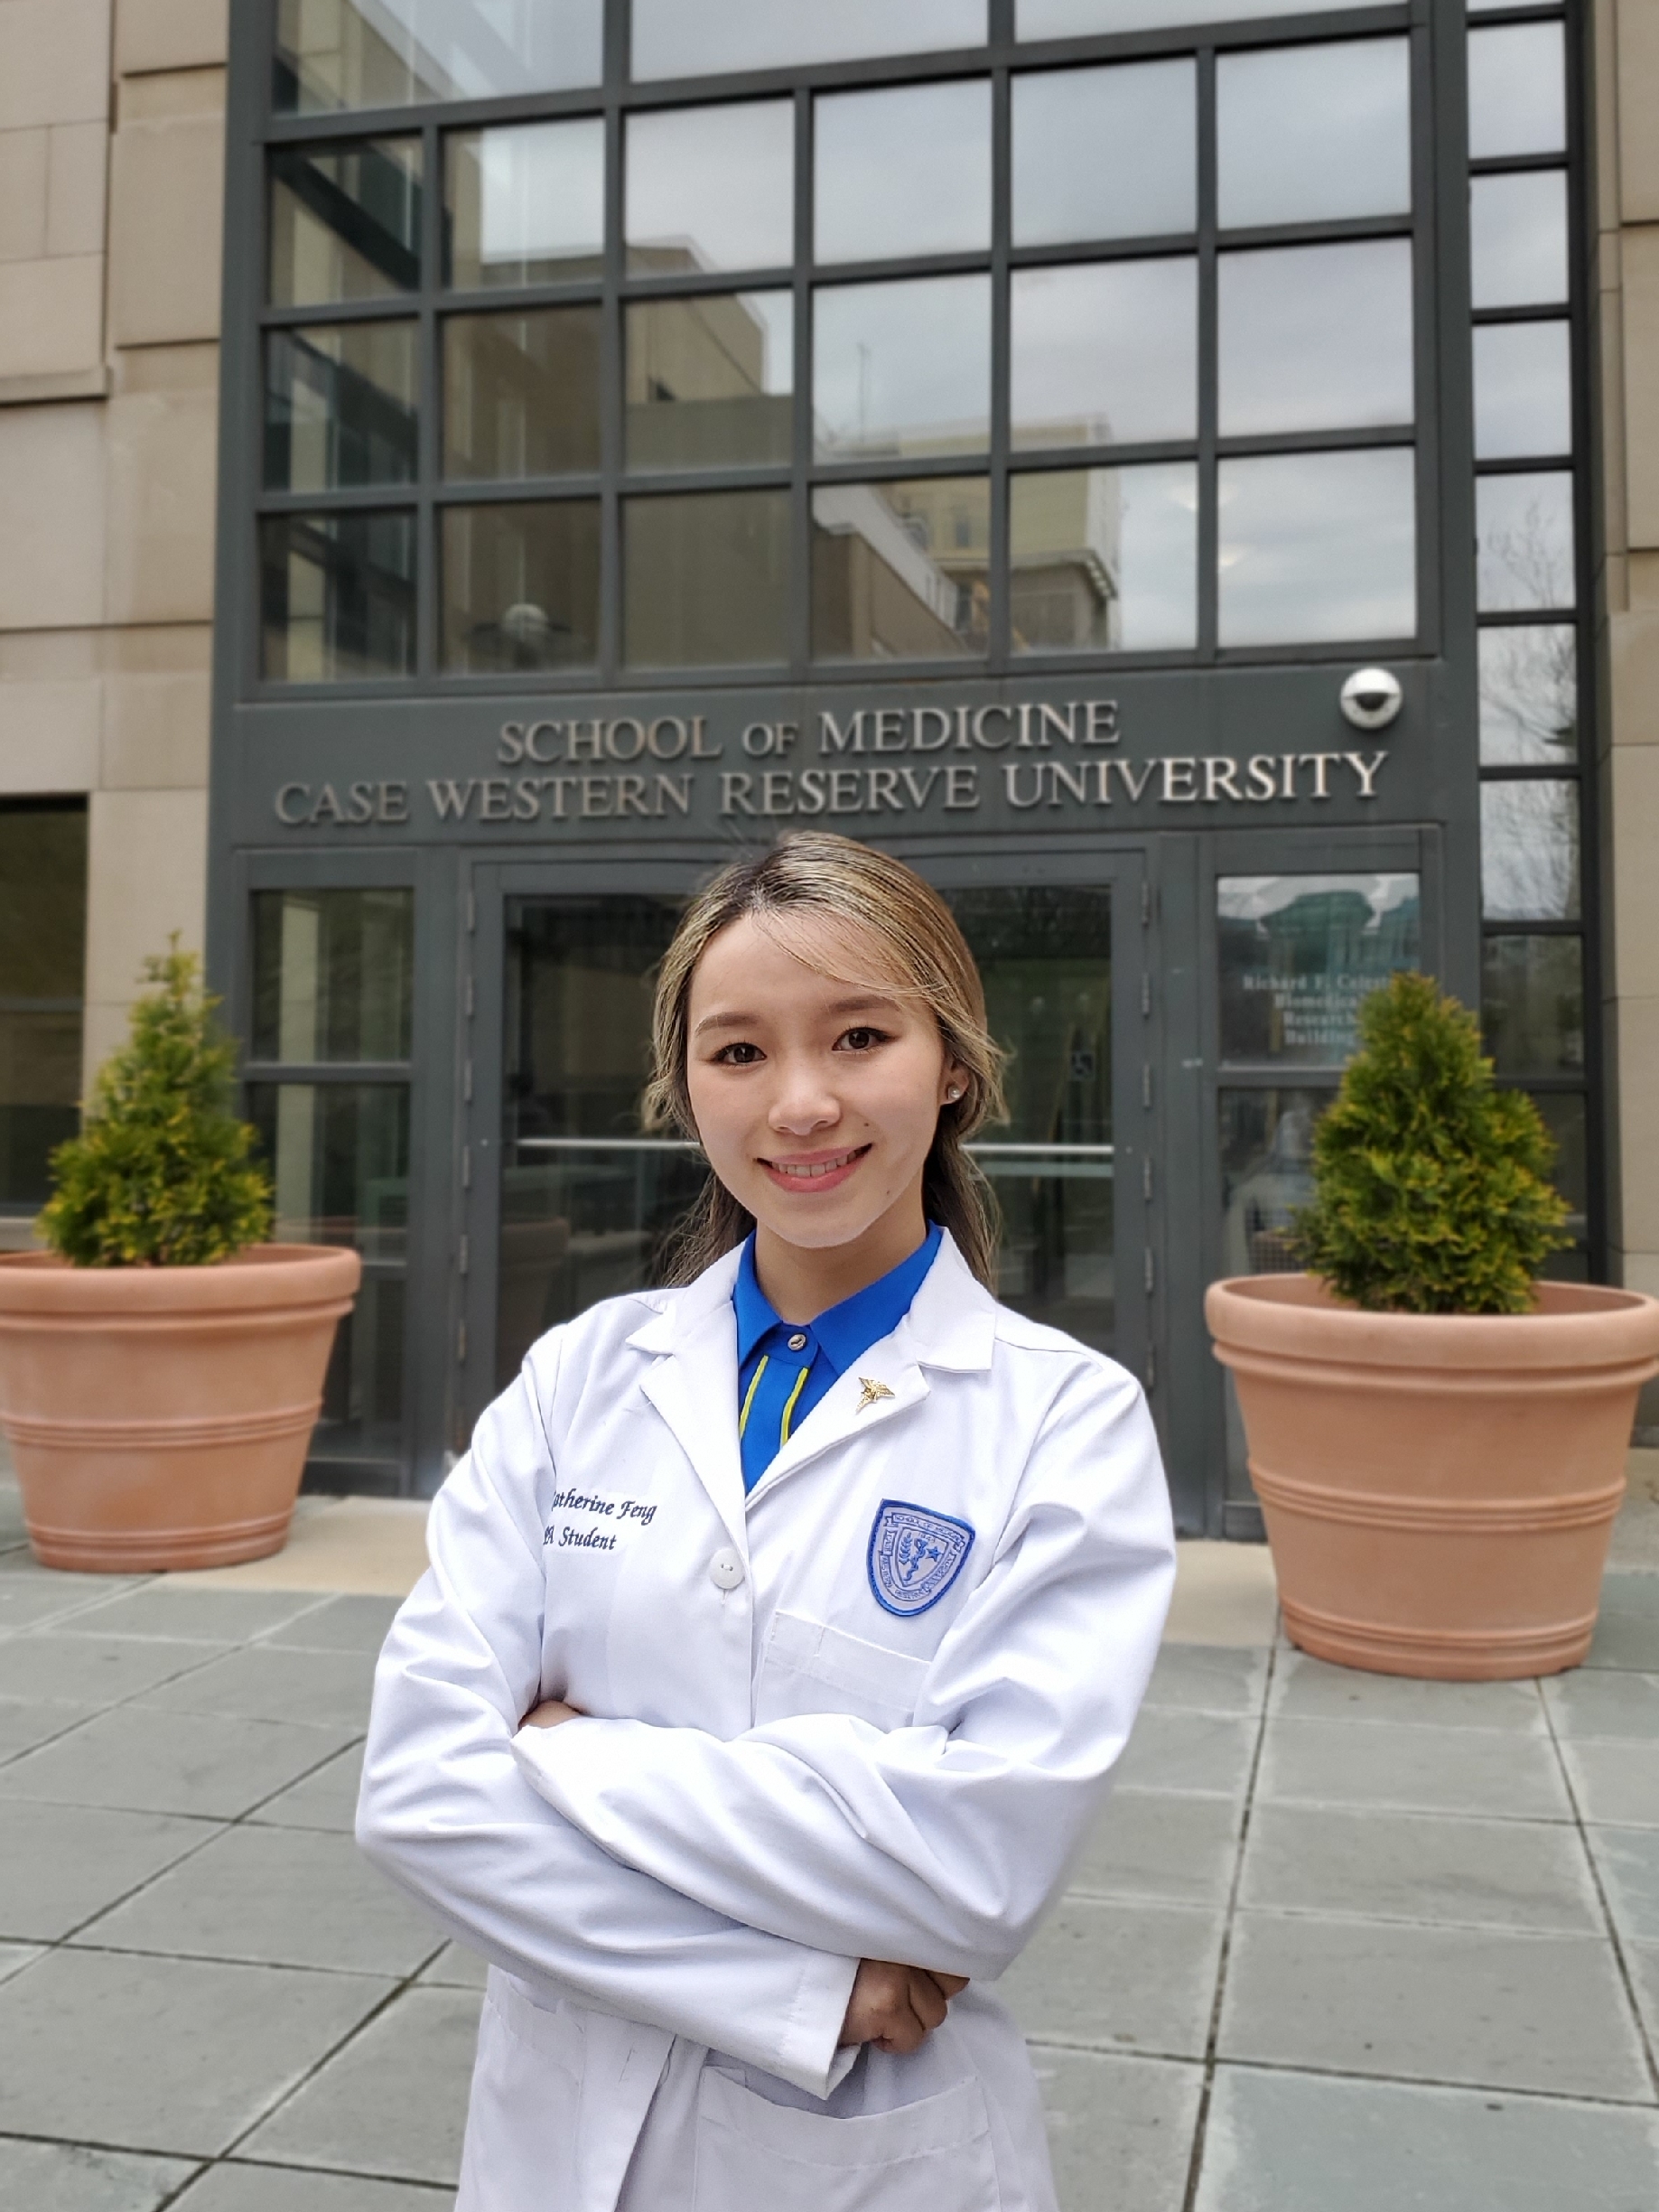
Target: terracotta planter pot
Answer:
pixel 1439 1489
pixel 159 1417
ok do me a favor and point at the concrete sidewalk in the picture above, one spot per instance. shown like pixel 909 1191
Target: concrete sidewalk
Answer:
pixel 1340 1944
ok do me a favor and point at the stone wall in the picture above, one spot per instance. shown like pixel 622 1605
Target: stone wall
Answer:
pixel 111 207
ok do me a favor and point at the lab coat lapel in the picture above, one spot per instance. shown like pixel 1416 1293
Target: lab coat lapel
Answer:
pixel 951 1324
pixel 694 1386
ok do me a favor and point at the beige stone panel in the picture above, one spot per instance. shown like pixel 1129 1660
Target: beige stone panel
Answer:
pixel 1642 572
pixel 166 225
pixel 155 732
pixel 168 368
pixel 1634 817
pixel 177 92
pixel 1632 641
pixel 51 516
pixel 49 736
pixel 162 472
pixel 1609 311
pixel 23 195
pixel 51 316
pixel 146 876
pixel 62 656
pixel 170 34
pixel 1640 1271
pixel 54 61
pixel 1638 1122
pixel 77 159
pixel 1641 384
pixel 1638 103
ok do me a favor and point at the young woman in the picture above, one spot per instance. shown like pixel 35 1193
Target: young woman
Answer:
pixel 783 1626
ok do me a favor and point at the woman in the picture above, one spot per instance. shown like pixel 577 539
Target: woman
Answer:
pixel 783 1626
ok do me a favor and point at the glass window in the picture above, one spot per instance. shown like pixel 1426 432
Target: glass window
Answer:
pixel 1529 850
pixel 1104 353
pixel 902 171
pixel 1518 238
pixel 1045 956
pixel 1266 1175
pixel 42 962
pixel 1300 954
pixel 521 586
pixel 1106 152
pixel 1104 559
pixel 1315 338
pixel 710 188
pixel 1317 545
pixel 902 369
pixel 334 975
pixel 1529 695
pixel 687 38
pixel 1314 134
pixel 899 570
pixel 334 54
pixel 710 380
pixel 521 393
pixel 341 405
pixel 1566 1115
pixel 705 580
pixel 1522 390
pixel 1533 997
pixel 524 205
pixel 337 596
pixel 339 1155
pixel 1518 90
pixel 1067 19
pixel 586 1201
pixel 1523 539
pixel 345 221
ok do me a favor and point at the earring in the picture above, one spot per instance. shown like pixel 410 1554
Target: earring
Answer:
pixel 952 1095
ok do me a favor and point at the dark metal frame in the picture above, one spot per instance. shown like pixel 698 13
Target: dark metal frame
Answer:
pixel 615 289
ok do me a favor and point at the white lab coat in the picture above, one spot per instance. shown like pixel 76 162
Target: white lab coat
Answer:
pixel 796 1757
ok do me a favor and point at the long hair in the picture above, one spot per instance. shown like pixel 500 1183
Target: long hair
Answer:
pixel 813 874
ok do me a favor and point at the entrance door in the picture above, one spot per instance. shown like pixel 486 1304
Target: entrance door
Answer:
pixel 571 1201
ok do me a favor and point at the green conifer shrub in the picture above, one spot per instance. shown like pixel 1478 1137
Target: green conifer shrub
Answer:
pixel 161 1175
pixel 1431 1185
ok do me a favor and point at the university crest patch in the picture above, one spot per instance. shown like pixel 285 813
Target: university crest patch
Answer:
pixel 915 1556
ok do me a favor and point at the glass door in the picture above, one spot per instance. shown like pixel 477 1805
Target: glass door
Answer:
pixel 572 1202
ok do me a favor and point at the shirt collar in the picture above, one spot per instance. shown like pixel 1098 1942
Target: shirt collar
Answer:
pixel 845 1331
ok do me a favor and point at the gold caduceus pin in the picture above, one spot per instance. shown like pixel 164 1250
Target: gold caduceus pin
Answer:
pixel 871 1392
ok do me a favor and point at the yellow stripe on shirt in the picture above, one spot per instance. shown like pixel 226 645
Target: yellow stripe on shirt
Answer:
pixel 800 1384
pixel 754 1385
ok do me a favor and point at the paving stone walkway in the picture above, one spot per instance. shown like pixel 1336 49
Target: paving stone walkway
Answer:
pixel 1341 1944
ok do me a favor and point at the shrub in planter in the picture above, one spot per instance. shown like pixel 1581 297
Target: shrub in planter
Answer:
pixel 1437 1437
pixel 161 1366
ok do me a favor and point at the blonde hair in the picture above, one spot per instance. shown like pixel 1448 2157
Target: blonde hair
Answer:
pixel 815 874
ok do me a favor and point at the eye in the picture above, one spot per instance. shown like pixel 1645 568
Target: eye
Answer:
pixel 739 1055
pixel 861 1040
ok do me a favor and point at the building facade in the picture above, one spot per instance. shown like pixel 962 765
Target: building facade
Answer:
pixel 1187 479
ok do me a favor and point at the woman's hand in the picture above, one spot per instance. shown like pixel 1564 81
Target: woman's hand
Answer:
pixel 897 2008
pixel 549 1713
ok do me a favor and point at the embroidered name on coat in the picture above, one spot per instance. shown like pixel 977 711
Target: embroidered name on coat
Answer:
pixel 915 1556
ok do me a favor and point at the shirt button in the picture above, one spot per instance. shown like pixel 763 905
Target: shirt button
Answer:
pixel 726 1569
pixel 798 1342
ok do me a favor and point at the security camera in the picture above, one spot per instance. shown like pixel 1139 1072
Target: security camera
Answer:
pixel 1371 698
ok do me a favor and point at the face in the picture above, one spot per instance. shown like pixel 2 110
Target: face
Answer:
pixel 815 1098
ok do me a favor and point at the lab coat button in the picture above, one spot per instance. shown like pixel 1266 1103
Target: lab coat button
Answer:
pixel 798 1342
pixel 725 1570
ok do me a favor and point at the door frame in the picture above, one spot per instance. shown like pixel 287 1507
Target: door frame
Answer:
pixel 954 864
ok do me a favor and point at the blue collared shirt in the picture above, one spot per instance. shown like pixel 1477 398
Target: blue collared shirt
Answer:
pixel 784 1369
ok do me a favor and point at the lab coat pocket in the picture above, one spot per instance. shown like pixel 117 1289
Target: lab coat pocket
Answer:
pixel 808 1667
pixel 752 2152
pixel 527 2094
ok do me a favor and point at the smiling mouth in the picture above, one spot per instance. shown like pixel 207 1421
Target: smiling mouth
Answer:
pixel 815 1171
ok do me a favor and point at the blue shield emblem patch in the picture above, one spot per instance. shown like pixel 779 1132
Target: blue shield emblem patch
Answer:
pixel 915 1556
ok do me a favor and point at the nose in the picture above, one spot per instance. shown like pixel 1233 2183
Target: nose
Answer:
pixel 803 1101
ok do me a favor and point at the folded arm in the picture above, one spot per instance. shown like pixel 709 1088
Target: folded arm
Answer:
pixel 940 1843
pixel 446 1813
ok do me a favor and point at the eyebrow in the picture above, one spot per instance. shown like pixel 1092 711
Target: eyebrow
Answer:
pixel 864 1003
